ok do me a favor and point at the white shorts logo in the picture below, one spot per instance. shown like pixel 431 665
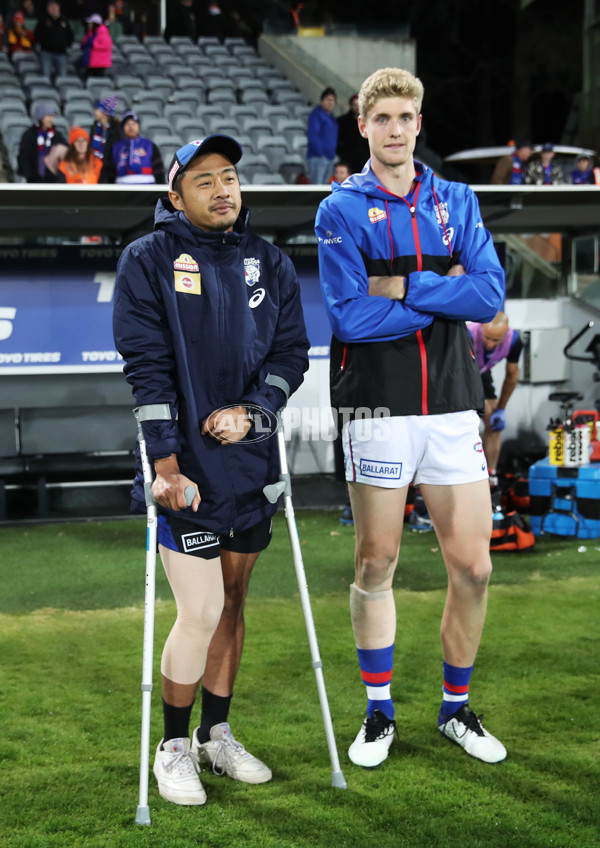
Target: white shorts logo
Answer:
pixel 198 541
pixel 375 468
pixel 256 299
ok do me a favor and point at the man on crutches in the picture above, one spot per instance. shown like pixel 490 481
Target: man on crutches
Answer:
pixel 205 312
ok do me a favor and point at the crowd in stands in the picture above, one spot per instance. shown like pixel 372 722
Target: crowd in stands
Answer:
pixel 526 165
pixel 91 67
pixel 84 74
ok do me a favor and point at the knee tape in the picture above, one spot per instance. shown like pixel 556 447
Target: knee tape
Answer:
pixel 197 586
pixel 373 617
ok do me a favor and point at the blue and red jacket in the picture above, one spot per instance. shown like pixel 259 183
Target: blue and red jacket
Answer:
pixel 137 161
pixel 412 357
pixel 201 319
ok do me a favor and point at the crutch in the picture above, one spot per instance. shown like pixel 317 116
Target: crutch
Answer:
pixel 149 413
pixel 273 492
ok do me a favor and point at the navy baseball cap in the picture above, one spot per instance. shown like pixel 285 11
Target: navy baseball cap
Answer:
pixel 211 144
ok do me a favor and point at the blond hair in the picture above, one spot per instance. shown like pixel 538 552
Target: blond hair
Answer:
pixel 389 82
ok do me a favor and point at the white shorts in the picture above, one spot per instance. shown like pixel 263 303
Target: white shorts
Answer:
pixel 444 450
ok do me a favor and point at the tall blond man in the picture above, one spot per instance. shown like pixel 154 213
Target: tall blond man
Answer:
pixel 404 261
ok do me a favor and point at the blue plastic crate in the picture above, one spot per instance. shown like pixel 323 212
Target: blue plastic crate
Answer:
pixel 565 501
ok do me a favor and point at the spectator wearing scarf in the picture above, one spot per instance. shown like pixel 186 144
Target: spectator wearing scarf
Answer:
pixel 19 39
pixel 135 160
pixel 36 143
pixel 106 129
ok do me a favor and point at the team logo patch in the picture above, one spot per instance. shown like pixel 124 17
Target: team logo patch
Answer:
pixel 383 470
pixel 251 271
pixel 478 447
pixel 441 213
pixel 184 262
pixel 376 214
pixel 197 541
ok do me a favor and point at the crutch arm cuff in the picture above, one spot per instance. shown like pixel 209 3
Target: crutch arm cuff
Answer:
pixel 153 412
pixel 279 383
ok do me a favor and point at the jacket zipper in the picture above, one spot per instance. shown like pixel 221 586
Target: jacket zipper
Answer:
pixel 223 371
pixel 420 340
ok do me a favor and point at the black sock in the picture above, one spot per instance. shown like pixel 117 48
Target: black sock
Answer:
pixel 215 709
pixel 177 721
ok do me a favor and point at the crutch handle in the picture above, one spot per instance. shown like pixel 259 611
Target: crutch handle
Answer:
pixel 274 491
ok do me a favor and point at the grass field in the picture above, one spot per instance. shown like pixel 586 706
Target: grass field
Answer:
pixel 71 614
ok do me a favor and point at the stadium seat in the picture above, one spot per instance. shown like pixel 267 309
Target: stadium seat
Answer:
pixel 10 103
pixel 274 147
pixel 181 109
pixel 255 127
pixel 213 80
pixel 221 95
pixel 216 50
pixel 239 111
pixel 290 167
pixel 204 40
pixel 245 142
pixel 166 139
pixel 289 128
pixel 158 125
pixel 63 125
pixel 301 111
pixel 224 126
pixel 125 81
pixel 167 151
pixel 287 96
pixel 241 49
pixel 267 178
pixel 255 163
pixel 298 143
pixel 254 95
pixel 148 110
pixel 68 85
pixel 78 118
pixel 207 110
pixel 151 95
pixel 43 92
pixel 245 83
pixel 273 112
pixel 186 125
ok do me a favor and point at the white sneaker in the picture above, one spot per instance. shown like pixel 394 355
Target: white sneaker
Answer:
pixel 226 756
pixel 371 746
pixel 176 771
pixel 465 728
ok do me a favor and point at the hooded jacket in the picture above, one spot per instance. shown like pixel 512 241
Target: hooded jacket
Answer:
pixel 414 356
pixel 201 319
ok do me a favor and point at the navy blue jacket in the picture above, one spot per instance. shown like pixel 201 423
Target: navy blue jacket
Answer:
pixel 201 319
pixel 414 356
